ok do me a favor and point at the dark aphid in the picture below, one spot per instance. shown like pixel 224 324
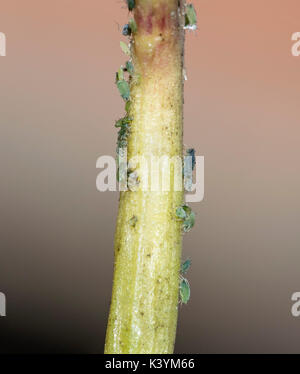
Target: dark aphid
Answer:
pixel 131 4
pixel 126 30
pixel 184 291
pixel 130 28
pixel 185 266
pixel 191 152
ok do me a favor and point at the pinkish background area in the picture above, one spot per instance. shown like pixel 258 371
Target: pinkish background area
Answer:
pixel 58 104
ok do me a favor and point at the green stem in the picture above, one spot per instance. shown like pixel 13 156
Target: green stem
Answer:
pixel 148 240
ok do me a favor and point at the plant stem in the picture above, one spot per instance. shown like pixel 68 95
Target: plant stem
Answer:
pixel 144 306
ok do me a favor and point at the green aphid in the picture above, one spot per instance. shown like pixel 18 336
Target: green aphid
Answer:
pixel 129 67
pixel 189 222
pixel 124 89
pixel 184 291
pixel 120 74
pixel 185 266
pixel 183 211
pixel 186 214
pixel 131 4
pixel 133 221
pixel 132 25
pixel 125 48
pixel 123 122
pixel 190 17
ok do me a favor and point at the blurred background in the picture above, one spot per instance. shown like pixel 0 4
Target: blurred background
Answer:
pixel 58 104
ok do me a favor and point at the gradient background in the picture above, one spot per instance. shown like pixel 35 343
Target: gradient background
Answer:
pixel 58 104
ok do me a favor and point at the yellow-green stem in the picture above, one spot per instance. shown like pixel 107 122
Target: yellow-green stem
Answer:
pixel 144 306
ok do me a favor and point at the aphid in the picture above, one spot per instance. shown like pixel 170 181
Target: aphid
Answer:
pixel 132 25
pixel 184 291
pixel 189 222
pixel 190 18
pixel 129 67
pixel 133 221
pixel 124 89
pixel 125 48
pixel 120 74
pixel 124 125
pixel 126 30
pixel 191 152
pixel 183 211
pixel 186 214
pixel 185 266
pixel 123 122
pixel 131 4
pixel 127 106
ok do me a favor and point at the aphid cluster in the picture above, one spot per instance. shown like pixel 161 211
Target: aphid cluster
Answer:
pixel 184 286
pixel 123 85
pixel 190 18
pixel 185 213
pixel 124 125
